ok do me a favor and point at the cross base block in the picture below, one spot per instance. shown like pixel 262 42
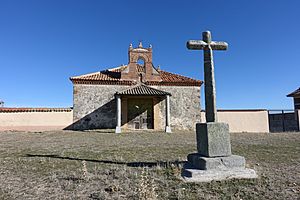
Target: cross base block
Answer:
pixel 196 175
pixel 226 162
pixel 213 139
pixel 205 169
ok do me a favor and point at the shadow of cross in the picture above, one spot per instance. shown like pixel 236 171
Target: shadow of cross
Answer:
pixel 208 45
pixel 164 164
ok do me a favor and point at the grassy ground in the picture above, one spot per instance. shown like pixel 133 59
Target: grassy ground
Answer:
pixel 101 165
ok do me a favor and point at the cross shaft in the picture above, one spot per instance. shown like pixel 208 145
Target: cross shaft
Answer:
pixel 208 45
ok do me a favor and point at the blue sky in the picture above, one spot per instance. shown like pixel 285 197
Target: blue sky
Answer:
pixel 44 42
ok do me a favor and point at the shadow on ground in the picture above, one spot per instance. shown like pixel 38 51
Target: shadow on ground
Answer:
pixel 164 164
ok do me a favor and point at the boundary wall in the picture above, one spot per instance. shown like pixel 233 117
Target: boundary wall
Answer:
pixel 46 119
pixel 35 119
pixel 250 120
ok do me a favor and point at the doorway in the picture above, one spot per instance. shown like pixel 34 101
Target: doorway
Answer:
pixel 140 113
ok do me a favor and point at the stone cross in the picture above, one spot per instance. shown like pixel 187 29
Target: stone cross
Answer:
pixel 209 78
pixel 213 160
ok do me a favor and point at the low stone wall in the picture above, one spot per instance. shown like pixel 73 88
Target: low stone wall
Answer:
pixel 35 119
pixel 243 120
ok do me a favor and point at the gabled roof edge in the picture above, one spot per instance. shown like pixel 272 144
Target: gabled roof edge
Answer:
pixel 295 93
pixel 143 90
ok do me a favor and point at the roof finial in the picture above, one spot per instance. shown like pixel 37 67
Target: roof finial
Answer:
pixel 140 44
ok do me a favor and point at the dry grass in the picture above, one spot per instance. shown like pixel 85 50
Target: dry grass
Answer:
pixel 102 165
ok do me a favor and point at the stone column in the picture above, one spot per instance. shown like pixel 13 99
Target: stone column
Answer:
pixel 118 128
pixel 168 127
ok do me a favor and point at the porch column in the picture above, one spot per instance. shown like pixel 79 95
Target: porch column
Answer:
pixel 168 127
pixel 118 128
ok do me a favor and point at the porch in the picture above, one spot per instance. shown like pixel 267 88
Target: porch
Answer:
pixel 138 108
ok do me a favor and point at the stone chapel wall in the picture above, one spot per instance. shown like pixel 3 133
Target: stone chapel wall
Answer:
pixel 95 106
pixel 184 107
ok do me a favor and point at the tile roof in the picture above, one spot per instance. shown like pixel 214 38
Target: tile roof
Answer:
pixel 13 110
pixel 113 76
pixel 295 93
pixel 143 90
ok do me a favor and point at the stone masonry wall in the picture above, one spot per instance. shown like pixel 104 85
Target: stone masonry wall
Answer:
pixel 95 106
pixel 185 107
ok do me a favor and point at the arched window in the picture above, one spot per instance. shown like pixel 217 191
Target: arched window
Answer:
pixel 141 65
pixel 141 61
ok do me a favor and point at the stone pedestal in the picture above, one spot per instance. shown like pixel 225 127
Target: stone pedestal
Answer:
pixel 214 160
pixel 196 175
pixel 224 162
pixel 213 139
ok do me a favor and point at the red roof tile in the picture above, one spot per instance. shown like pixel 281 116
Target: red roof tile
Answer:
pixel 143 90
pixel 113 76
pixel 10 110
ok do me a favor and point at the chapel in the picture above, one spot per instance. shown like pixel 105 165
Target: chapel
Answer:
pixel 135 96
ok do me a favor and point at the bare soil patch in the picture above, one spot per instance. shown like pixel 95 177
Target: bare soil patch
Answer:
pixel 103 165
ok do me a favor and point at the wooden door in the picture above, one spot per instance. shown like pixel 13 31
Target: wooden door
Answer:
pixel 140 113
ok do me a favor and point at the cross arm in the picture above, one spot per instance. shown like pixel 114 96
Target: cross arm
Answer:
pixel 196 44
pixel 201 45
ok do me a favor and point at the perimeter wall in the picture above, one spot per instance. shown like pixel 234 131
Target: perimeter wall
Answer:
pixel 35 119
pixel 57 119
pixel 243 120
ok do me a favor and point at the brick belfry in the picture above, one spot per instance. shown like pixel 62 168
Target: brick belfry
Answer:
pixel 213 160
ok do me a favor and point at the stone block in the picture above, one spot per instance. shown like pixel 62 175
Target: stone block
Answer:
pixel 213 139
pixel 205 163
pixel 118 129
pixel 195 175
pixel 168 129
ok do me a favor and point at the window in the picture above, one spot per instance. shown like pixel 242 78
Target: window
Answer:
pixel 141 62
